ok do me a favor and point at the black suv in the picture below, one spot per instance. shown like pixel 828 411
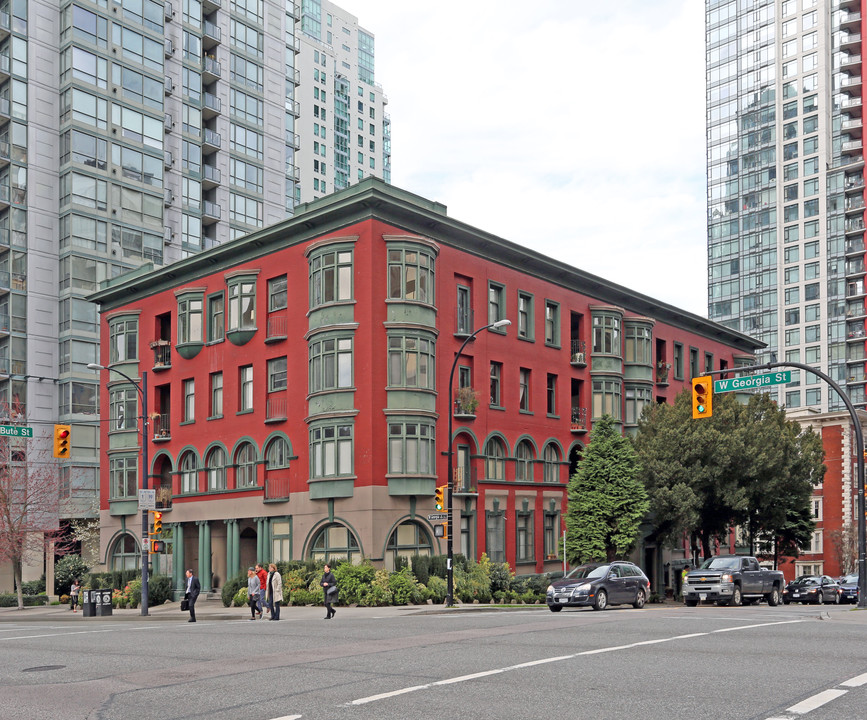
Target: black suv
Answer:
pixel 600 585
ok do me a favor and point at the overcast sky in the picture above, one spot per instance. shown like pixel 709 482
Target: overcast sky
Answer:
pixel 574 127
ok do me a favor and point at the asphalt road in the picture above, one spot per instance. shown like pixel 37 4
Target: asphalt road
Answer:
pixel 660 662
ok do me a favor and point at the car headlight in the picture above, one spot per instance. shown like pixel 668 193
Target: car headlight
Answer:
pixel 813 590
pixel 550 589
pixel 726 578
pixel 581 588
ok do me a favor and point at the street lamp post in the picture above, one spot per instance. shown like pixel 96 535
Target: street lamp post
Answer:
pixel 450 572
pixel 143 392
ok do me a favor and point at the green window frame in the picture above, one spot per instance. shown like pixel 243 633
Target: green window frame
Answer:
pixel 278 293
pixel 189 400
pixel 551 394
pixel 189 472
pixel 411 274
pixel 411 448
pixel 241 292
pixel 245 388
pixel 408 540
pixel 215 465
pixel 277 374
pixel 496 304
pixel 216 382
pixel 678 361
pixel 525 548
pixel 334 541
pixel 637 397
pixel 123 339
pixel 551 464
pixel 708 362
pixel 606 335
pixel 190 318
pixel 552 323
pixel 464 311
pixel 331 450
pixel 524 462
pixel 496 384
pixel 524 390
pixel 495 459
pixel 216 317
pixel 607 398
pixel 551 533
pixel 495 535
pixel 525 316
pixel 694 368
pixel 246 461
pixel 638 342
pixel 330 363
pixel 330 277
pixel 123 408
pixel 123 477
pixel 411 362
pixel 277 454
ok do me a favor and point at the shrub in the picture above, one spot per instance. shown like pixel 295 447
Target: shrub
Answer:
pixel 500 575
pixel 421 568
pixel 438 565
pixel 353 581
pixel 159 590
pixel 240 598
pixel 436 589
pixel 33 587
pixel 11 600
pixel 64 600
pixel 404 588
pixel 400 562
pixel 303 597
pixel 293 581
pixel 378 594
pixel 67 569
pixel 231 587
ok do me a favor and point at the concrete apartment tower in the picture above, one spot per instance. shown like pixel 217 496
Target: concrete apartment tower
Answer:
pixel 785 171
pixel 143 131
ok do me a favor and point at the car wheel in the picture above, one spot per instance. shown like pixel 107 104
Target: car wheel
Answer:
pixel 836 598
pixel 601 600
pixel 820 598
pixel 690 603
pixel 640 599
pixel 737 598
pixel 555 608
pixel 773 597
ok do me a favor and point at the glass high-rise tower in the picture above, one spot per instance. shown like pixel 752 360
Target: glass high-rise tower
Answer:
pixel 143 131
pixel 785 174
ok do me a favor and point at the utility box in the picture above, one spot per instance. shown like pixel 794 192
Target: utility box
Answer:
pixel 103 602
pixel 88 603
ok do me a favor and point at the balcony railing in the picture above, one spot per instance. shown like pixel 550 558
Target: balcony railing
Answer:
pixel 578 352
pixel 275 407
pixel 161 424
pixel 277 328
pixel 579 419
pixel 277 487
pixel 162 354
pixel 466 402
pixel 465 480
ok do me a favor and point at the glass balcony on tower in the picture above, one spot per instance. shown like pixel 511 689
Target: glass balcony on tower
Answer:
pixel 210 177
pixel 211 70
pixel 211 35
pixel 211 106
pixel 851 23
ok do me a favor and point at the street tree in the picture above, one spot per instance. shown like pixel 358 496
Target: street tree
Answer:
pixel 29 505
pixel 607 501
pixel 747 465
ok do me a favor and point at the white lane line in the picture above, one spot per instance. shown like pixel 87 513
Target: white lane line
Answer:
pixel 543 661
pixel 751 627
pixel 288 717
pixel 856 681
pixel 59 634
pixel 819 699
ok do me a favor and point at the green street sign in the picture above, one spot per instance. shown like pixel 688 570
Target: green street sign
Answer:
pixel 15 431
pixel 752 382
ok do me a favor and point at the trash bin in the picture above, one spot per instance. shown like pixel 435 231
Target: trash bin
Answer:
pixel 103 602
pixel 88 603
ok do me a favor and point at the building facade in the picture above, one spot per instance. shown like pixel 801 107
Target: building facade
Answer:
pixel 298 383
pixel 785 171
pixel 142 131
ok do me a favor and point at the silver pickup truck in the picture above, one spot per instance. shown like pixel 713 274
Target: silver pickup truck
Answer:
pixel 732 580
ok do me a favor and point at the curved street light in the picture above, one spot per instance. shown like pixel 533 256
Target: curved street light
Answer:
pixel 450 573
pixel 142 391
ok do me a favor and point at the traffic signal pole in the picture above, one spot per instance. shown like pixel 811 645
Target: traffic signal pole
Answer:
pixel 859 444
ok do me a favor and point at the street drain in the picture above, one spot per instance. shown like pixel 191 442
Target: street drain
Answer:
pixel 44 668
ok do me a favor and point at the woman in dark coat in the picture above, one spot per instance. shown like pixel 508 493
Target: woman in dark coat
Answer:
pixel 329 584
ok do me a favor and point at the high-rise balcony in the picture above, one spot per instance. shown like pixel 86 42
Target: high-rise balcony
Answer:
pixel 854 128
pixel 854 204
pixel 851 23
pixel 210 141
pixel 211 35
pixel 211 70
pixel 208 6
pixel 4 67
pixel 852 147
pixel 851 85
pixel 855 246
pixel 210 212
pixel 5 24
pixel 852 106
pixel 210 177
pixel 851 43
pixel 851 63
pixel 211 107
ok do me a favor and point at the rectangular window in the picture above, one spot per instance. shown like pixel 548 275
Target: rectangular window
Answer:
pixel 552 323
pixel 330 278
pixel 552 535
pixel 606 335
pixel 189 400
pixel 216 318
pixel 190 316
pixel 694 368
pixel 242 305
pixel 551 394
pixel 123 477
pixel 411 274
pixel 464 311
pixel 245 388
pixel 496 306
pixel 496 383
pixel 411 448
pixel 607 399
pixel 277 374
pixel 216 409
pixel 524 537
pixel 123 340
pixel 330 364
pixel 636 399
pixel 524 389
pixel 330 451
pixel 495 536
pixel 678 361
pixel 277 293
pixel 525 316
pixel 637 344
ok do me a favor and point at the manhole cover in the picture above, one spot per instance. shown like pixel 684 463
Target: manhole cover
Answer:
pixel 44 668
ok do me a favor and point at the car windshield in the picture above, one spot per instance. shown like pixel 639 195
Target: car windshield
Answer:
pixel 587 571
pixel 806 580
pixel 851 578
pixel 718 563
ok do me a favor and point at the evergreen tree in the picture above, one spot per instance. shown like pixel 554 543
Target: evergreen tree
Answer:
pixel 607 501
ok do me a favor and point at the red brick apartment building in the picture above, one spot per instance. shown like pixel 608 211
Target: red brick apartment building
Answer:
pixel 297 386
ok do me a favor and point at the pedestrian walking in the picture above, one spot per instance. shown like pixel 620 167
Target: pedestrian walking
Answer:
pixel 192 594
pixel 275 591
pixel 252 592
pixel 329 585
pixel 73 595
pixel 262 574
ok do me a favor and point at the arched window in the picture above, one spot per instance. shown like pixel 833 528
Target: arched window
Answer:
pixel 551 460
pixel 408 539
pixel 125 554
pixel 335 541
pixel 245 466
pixel 189 473
pixel 495 459
pixel 216 466
pixel 277 454
pixel 524 461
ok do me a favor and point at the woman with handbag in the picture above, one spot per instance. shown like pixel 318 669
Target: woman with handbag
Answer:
pixel 329 584
pixel 252 591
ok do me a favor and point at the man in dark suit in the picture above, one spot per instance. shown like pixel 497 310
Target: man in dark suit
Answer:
pixel 192 594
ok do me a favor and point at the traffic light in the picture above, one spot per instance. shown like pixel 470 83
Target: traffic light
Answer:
pixel 439 499
pixel 62 438
pixel 157 546
pixel 702 397
pixel 158 522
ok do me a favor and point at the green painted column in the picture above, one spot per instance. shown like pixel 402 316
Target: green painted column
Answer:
pixel 230 550
pixel 205 561
pixel 178 566
pixel 236 548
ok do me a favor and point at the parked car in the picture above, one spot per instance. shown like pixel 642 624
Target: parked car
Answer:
pixel 600 585
pixel 812 589
pixel 848 588
pixel 732 580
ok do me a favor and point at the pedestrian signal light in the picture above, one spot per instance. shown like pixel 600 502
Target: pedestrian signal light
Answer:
pixel 439 499
pixel 62 440
pixel 441 531
pixel 702 397
pixel 158 522
pixel 157 546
